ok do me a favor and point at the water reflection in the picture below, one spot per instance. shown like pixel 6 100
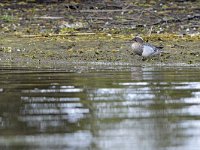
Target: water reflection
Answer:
pixel 140 108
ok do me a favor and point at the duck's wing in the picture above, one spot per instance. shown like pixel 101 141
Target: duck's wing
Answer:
pixel 150 50
pixel 147 51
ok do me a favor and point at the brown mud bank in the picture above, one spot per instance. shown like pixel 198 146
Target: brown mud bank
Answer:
pixel 48 35
pixel 52 51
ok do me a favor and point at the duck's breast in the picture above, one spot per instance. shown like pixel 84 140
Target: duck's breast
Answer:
pixel 137 48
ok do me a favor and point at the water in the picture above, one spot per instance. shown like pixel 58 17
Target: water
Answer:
pixel 154 108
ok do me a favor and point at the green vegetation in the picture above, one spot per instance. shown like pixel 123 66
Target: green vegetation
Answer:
pixel 7 18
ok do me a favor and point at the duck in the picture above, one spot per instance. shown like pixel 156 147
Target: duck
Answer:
pixel 144 49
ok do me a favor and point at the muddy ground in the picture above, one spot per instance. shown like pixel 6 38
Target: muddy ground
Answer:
pixel 48 35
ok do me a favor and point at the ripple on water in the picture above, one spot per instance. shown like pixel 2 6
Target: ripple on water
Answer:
pixel 104 109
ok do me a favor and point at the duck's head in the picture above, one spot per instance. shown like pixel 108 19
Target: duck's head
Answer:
pixel 138 40
pixel 137 45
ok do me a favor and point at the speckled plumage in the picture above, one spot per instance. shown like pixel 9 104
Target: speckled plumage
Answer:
pixel 144 49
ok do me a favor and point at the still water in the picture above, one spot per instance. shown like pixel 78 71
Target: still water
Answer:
pixel 136 108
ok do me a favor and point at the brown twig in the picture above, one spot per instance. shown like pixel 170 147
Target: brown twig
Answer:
pixel 104 10
pixel 54 35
